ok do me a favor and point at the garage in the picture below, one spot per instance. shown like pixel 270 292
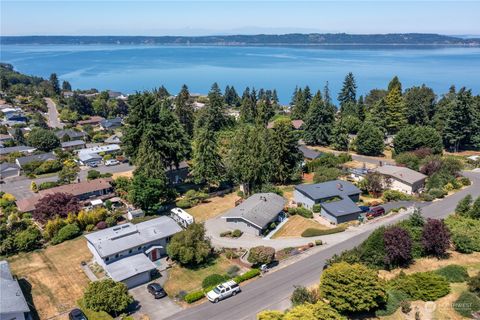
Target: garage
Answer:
pixel 133 270
pixel 137 280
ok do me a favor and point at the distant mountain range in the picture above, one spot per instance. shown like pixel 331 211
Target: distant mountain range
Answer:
pixel 310 39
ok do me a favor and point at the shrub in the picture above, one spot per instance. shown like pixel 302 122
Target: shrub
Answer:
pixel 317 207
pixel 302 295
pixel 437 193
pixel 465 181
pixel 107 295
pixel 236 233
pixel 435 237
pixel 52 227
pixel 425 286
pixel 183 203
pixel 467 304
pixel 318 242
pixel 247 275
pixel 232 271
pixel 312 232
pixel 68 232
pixel 398 247
pixel 225 234
pixel 101 225
pixel 463 243
pixel 190 246
pixel 324 174
pixel 89 227
pixel 474 284
pixel 394 195
pixel 28 239
pixel 463 228
pixel 406 306
pixel 213 280
pixel 194 296
pixel 47 185
pixel 110 221
pixel 301 211
pixel 394 301
pixel 261 255
pixel 409 160
pixel 453 273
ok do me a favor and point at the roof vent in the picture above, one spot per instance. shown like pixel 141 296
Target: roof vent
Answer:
pixel 340 186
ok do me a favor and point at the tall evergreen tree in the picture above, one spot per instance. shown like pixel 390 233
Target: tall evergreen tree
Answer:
pixel 265 111
pixel 361 109
pixel 275 100
pixel 339 137
pixel 326 94
pixel 395 115
pixel 300 104
pixel 184 110
pixel 231 97
pixel 214 116
pixel 54 83
pixel 248 111
pixel 420 105
pixel 319 122
pixel 348 94
pixel 66 86
pixel 370 140
pixel 207 162
pixel 283 151
pixel 161 93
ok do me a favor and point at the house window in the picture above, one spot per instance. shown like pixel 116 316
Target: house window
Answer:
pixel 139 248
pixel 107 258
pixel 116 256
pixel 130 251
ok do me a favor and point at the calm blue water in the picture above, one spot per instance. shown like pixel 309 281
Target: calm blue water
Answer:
pixel 132 68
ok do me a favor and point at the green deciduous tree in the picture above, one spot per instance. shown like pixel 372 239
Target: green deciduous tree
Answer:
pixel 147 192
pixel 339 137
pixel 107 295
pixel 370 140
pixel 190 247
pixel 412 138
pixel 319 122
pixel 352 287
pixel 420 105
pixel 43 139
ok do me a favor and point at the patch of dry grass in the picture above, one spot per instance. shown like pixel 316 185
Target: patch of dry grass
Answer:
pixel 125 174
pixel 55 275
pixel 185 279
pixel 295 226
pixel 213 207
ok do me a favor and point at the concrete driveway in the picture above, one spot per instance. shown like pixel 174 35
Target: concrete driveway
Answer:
pixel 155 309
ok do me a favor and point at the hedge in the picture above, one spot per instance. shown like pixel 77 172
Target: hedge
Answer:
pixel 247 275
pixel 304 212
pixel 194 296
pixel 317 207
pixel 453 273
pixel 312 232
pixel 213 280
pixel 425 286
pixel 394 195
pixel 68 232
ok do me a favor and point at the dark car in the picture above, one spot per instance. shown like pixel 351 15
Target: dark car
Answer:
pixel 364 208
pixel 375 212
pixel 77 314
pixel 156 290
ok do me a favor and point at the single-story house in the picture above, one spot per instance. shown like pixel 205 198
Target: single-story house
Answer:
pixel 114 139
pixel 88 159
pixel 177 175
pixel 337 199
pixel 8 170
pixel 72 134
pixel 85 190
pixel 93 121
pixel 13 305
pixel 21 149
pixel 90 156
pixel 256 213
pixel 126 251
pixel 402 179
pixel 73 145
pixel 22 161
pixel 110 124
pixel 308 153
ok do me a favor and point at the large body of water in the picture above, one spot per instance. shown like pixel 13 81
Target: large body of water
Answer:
pixel 135 68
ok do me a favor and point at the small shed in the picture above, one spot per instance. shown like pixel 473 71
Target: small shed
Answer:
pixel 135 213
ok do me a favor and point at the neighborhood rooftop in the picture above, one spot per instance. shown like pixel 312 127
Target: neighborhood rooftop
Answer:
pixel 401 173
pixel 328 189
pixel 9 150
pixel 129 266
pixel 123 237
pixel 106 148
pixel 341 207
pixel 36 157
pixel 258 209
pixel 73 143
pixel 308 153
pixel 12 300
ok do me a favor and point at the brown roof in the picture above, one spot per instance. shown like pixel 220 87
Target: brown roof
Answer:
pixel 91 120
pixel 77 189
pixel 297 124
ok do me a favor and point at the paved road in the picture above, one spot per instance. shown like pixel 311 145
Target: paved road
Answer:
pixel 52 116
pixel 20 186
pixel 273 290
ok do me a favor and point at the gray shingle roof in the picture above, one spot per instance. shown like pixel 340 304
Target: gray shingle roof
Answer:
pixel 5 166
pixel 328 189
pixel 36 157
pixel 404 174
pixel 308 153
pixel 126 236
pixel 341 207
pixel 11 297
pixel 71 133
pixel 9 150
pixel 259 209
pixel 73 143
pixel 129 266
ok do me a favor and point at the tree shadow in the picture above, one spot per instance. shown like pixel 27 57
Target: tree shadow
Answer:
pixel 27 293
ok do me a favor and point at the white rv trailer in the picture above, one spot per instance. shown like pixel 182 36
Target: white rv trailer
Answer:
pixel 182 217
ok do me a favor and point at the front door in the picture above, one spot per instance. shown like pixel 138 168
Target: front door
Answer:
pixel 154 254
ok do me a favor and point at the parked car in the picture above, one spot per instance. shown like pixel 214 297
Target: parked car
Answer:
pixel 156 290
pixel 364 208
pixel 111 162
pixel 77 314
pixel 222 291
pixel 375 212
pixel 93 165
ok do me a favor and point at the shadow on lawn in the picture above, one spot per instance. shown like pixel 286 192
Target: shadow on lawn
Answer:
pixel 27 292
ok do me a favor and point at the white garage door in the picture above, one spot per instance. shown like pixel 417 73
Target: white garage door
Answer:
pixel 137 279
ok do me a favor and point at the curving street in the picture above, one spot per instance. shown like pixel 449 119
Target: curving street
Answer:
pixel 273 290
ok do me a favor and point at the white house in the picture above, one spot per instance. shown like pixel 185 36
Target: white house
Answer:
pixel 402 179
pixel 126 251
pixel 13 305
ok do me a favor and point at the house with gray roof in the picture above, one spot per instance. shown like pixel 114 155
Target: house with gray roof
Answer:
pixel 73 145
pixel 21 149
pixel 8 170
pixel 337 199
pixel 256 213
pixel 110 124
pixel 402 179
pixel 72 134
pixel 35 157
pixel 308 153
pixel 126 252
pixel 13 305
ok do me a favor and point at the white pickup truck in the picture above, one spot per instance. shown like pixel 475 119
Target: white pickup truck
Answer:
pixel 222 291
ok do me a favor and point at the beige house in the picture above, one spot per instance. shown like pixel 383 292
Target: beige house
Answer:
pixel 402 179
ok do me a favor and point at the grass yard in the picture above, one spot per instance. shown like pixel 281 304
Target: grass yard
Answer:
pixel 125 174
pixel 295 226
pixel 213 207
pixel 184 279
pixel 56 278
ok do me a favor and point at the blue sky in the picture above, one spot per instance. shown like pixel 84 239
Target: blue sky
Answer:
pixel 87 17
